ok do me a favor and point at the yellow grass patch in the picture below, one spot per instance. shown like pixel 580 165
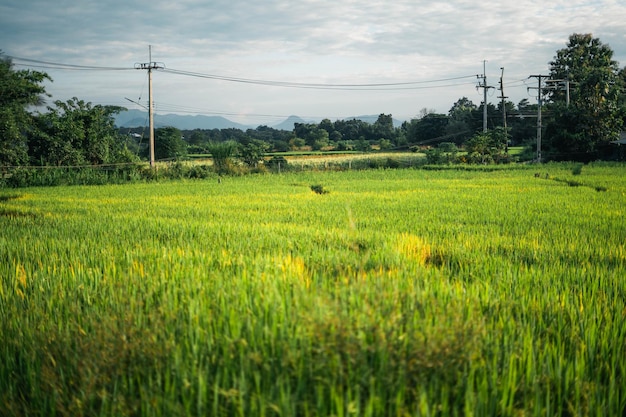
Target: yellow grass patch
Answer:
pixel 414 248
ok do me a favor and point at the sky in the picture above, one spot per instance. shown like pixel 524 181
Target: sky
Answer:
pixel 258 62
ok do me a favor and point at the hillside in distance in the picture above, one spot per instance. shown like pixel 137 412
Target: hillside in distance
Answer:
pixel 139 118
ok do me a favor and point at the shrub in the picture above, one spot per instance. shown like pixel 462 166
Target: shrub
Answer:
pixel 277 163
pixel 319 189
pixel 577 169
pixel 222 153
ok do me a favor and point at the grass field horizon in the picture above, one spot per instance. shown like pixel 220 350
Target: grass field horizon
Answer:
pixel 397 292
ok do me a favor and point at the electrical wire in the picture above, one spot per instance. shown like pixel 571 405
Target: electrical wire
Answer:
pixel 407 85
pixel 410 85
pixel 56 65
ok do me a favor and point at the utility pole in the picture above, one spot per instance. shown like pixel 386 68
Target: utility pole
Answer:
pixel 561 84
pixel 503 97
pixel 150 66
pixel 485 87
pixel 539 102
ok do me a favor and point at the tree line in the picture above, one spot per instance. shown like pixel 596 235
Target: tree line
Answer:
pixel 584 109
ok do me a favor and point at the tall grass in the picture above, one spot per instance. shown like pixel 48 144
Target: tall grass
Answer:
pixel 398 292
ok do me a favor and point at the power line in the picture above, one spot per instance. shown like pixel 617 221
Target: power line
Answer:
pixel 409 85
pixel 57 65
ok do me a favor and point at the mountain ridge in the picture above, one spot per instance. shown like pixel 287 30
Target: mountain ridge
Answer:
pixel 139 118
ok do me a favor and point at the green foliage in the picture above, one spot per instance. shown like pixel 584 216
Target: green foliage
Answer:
pixel 382 163
pixel 582 130
pixel 278 163
pixel 427 128
pixel 252 151
pixel 385 144
pixel 444 153
pixel 222 154
pixel 18 91
pixel 463 120
pixel 363 145
pixel 319 189
pixel 169 144
pixel 76 133
pixel 487 147
pixel 383 128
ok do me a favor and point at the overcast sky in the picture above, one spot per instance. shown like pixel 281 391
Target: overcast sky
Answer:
pixel 438 46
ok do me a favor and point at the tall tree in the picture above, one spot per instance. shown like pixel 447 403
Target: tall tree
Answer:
pixel 169 143
pixel 429 129
pixel 18 91
pixel 76 133
pixel 384 129
pixel 251 151
pixel 582 129
pixel 462 121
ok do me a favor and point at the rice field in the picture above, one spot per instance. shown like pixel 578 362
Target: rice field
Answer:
pixel 395 293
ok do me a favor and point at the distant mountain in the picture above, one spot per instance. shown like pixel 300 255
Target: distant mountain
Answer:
pixel 138 118
pixel 289 123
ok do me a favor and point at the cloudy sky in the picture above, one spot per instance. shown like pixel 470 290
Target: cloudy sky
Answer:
pixel 261 61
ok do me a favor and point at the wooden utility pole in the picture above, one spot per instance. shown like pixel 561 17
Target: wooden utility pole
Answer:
pixel 485 87
pixel 539 103
pixel 503 97
pixel 150 66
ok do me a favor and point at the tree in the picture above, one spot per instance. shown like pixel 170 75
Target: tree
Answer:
pixel 582 129
pixel 252 151
pixel 523 126
pixel 429 128
pixel 169 143
pixel 487 147
pixel 444 153
pixel 296 143
pixel 18 91
pixel 462 124
pixel 196 137
pixel 75 133
pixel 384 129
pixel 314 136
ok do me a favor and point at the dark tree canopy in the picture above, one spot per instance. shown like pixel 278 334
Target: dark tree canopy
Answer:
pixel 18 91
pixel 75 133
pixel 169 143
pixel 582 128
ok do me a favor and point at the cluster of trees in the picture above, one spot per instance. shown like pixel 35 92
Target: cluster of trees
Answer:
pixel 584 107
pixel 69 133
pixel 587 100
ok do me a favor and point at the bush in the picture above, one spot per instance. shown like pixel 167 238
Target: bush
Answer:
pixel 277 163
pixel 199 171
pixel 319 189
pixel 222 153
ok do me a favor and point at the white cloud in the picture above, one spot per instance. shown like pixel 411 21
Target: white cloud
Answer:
pixel 322 41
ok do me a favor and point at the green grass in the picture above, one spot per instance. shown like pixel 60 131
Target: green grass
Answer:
pixel 398 292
